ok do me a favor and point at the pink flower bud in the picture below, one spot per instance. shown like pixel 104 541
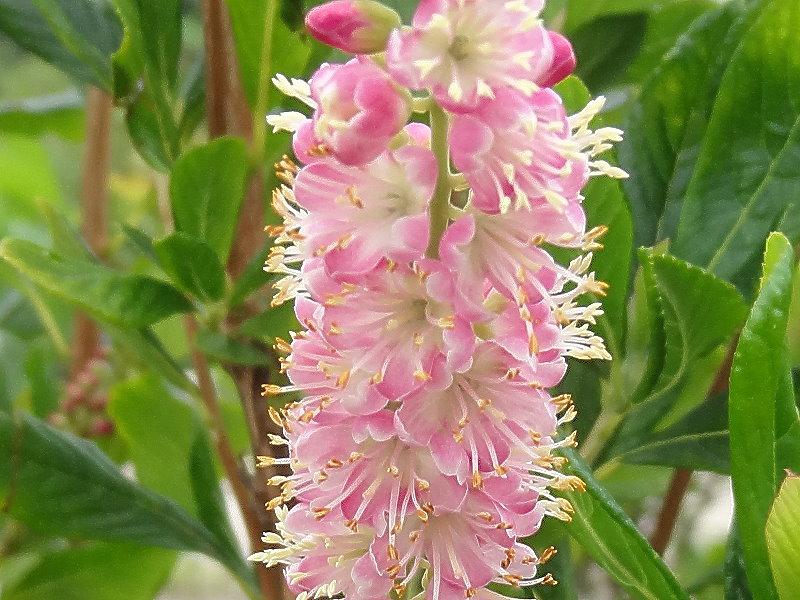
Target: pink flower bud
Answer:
pixel 101 427
pixel 563 61
pixel 355 26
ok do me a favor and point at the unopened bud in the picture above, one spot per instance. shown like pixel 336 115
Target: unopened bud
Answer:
pixel 354 26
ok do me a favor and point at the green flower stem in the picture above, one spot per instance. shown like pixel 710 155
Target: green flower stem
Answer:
pixel 262 98
pixel 440 203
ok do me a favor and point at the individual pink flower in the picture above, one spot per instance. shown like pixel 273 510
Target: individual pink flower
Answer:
pixel 363 214
pixel 516 152
pixel 465 50
pixel 472 420
pixel 358 110
pixel 354 26
pixel 402 318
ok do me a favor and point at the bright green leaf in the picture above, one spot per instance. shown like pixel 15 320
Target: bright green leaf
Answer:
pixel 192 265
pixel 207 188
pixel 783 538
pixel 131 300
pixel 756 380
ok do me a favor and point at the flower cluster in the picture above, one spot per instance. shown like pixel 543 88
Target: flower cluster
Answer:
pixel 424 443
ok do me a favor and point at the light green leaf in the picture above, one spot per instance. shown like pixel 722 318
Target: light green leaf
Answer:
pixel 193 265
pixel 77 36
pixel 59 485
pixel 757 378
pixel 96 572
pixel 131 300
pixel 747 179
pixel 61 115
pixel 783 538
pixel 207 188
pixel 609 536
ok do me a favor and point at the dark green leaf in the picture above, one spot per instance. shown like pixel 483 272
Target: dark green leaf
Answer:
pixel 77 36
pixel 192 265
pixel 783 538
pixel 601 527
pixel 735 577
pixel 229 350
pixel 665 131
pixel 747 179
pixel 61 115
pixel 63 486
pixel 96 572
pixel 756 380
pixel 603 56
pixel 581 12
pixel 131 300
pixel 207 188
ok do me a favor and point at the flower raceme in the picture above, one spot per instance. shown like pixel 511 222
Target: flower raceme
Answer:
pixel 422 434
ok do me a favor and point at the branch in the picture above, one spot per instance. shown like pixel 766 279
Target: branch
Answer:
pixel 670 509
pixel 94 198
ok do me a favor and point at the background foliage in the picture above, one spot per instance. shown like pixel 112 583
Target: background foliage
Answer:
pixel 135 326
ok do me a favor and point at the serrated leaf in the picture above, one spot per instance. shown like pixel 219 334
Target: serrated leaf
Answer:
pixel 747 179
pixel 609 536
pixel 700 313
pixel 76 36
pixel 59 485
pixel 193 265
pixel 783 538
pixel 110 296
pixel 757 377
pixel 207 188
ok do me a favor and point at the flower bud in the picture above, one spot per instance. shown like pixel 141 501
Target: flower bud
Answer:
pixel 354 26
pixel 563 61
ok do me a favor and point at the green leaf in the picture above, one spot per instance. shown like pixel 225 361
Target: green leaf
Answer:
pixel 609 536
pixel 735 577
pixel 664 132
pixel 228 350
pixel 581 12
pixel 160 432
pixel 604 57
pixel 757 378
pixel 747 179
pixel 129 300
pixel 193 265
pixel 700 313
pixel 783 538
pixel 59 485
pixel 77 36
pixel 207 188
pixel 96 572
pixel 61 115
pixel 145 71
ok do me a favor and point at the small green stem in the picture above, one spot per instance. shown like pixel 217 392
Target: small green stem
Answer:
pixel 265 77
pixel 440 203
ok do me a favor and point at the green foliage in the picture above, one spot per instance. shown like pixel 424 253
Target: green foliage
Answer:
pixel 78 36
pixel 60 485
pixel 193 265
pixel 757 379
pixel 783 538
pixel 601 527
pixel 207 188
pixel 128 300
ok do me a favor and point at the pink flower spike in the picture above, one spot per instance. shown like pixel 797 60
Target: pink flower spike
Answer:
pixel 354 26
pixel 465 50
pixel 359 110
